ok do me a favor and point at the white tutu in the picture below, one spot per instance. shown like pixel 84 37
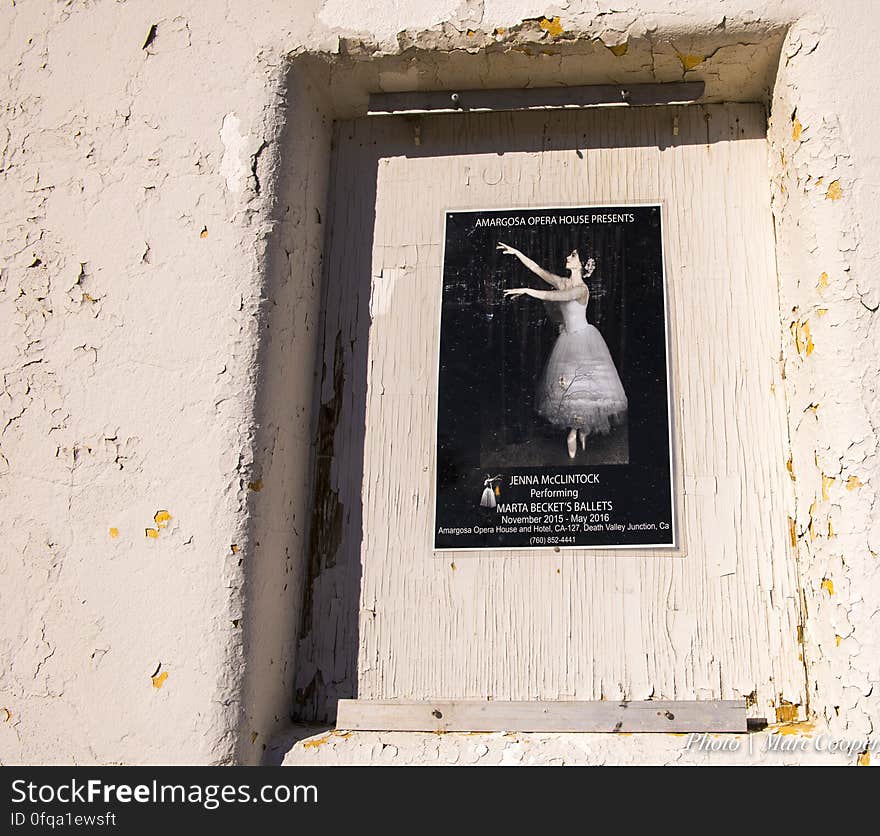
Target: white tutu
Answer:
pixel 580 386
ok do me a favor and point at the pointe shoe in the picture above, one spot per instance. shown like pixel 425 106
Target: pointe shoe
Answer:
pixel 572 444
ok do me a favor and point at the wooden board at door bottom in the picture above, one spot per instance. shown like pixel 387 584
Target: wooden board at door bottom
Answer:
pixel 535 716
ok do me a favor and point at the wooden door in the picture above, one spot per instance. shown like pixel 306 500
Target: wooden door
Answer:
pixel 716 619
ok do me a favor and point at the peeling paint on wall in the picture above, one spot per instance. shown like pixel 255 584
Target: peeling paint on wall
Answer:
pixel 819 234
pixel 130 368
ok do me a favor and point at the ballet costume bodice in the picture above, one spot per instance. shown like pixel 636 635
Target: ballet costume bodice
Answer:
pixel 574 316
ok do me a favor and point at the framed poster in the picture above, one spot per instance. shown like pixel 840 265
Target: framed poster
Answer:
pixel 553 422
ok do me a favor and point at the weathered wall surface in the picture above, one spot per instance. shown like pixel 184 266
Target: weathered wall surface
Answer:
pixel 785 744
pixel 136 150
pixel 159 288
pixel 825 177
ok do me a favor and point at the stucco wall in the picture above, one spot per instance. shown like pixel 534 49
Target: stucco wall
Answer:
pixel 161 218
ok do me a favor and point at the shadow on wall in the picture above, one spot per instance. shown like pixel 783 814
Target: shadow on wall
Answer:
pixel 279 490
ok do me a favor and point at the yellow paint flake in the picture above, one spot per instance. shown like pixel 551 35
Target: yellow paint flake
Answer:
pixel 114 533
pixel 234 548
pixel 689 61
pixel 865 758
pixel 789 466
pixel 804 728
pixel 500 30
pixel 256 485
pixel 853 483
pixel 786 712
pixel 161 519
pixel 343 735
pixel 802 339
pixel 204 232
pixel 619 50
pixel 159 679
pixel 827 482
pixel 152 532
pixel 828 585
pixel 471 33
pixel 792 533
pixel 822 311
pixel 823 282
pixel 835 192
pixel 551 26
pixel 796 129
pixel 452 566
pixel 830 529
pixel 316 742
pixel 7 714
pixel 837 640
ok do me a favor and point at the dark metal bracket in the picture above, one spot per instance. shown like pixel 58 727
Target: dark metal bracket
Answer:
pixel 535 98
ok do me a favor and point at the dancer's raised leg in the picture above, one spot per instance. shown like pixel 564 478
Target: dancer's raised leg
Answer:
pixel 572 442
pixel 582 435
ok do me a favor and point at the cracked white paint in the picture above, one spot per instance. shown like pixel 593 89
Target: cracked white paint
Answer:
pixel 304 746
pixel 134 278
pixel 382 291
pixel 234 164
pixel 380 17
pixel 828 264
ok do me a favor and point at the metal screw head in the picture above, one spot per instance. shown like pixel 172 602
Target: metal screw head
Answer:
pixel 455 99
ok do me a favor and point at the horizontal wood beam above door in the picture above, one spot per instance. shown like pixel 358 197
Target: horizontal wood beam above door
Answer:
pixel 534 98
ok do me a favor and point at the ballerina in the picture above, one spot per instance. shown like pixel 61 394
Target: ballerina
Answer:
pixel 580 389
pixel 490 491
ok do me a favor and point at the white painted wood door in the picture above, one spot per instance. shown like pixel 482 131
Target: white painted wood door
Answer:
pixel 720 617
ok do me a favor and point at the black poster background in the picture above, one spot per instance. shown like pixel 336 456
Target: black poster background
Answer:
pixel 492 353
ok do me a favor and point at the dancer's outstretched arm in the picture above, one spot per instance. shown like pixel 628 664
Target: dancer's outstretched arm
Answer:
pixel 546 275
pixel 551 295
